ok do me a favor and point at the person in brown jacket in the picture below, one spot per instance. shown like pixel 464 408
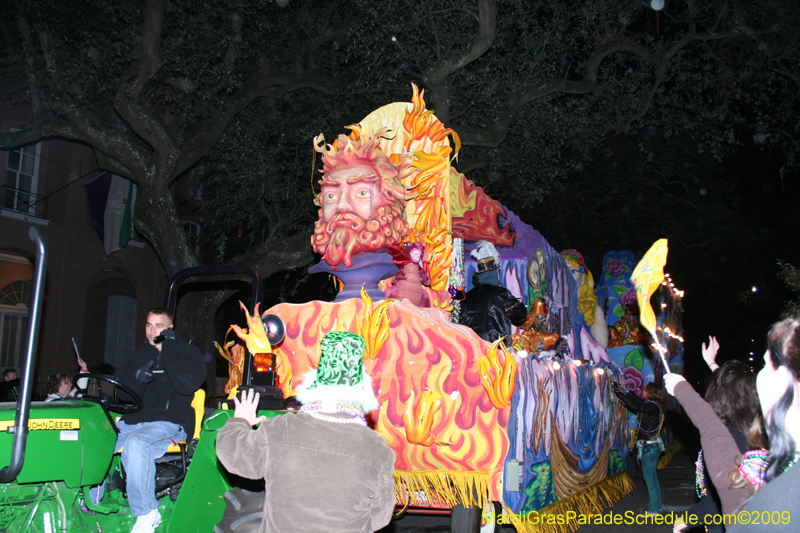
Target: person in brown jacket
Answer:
pixel 324 469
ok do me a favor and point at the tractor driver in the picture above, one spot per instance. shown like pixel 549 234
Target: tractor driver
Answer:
pixel 165 372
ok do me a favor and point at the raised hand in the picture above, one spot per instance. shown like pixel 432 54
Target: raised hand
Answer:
pixel 671 381
pixel 710 353
pixel 247 407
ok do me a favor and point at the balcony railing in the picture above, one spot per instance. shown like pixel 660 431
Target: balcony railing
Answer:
pixel 21 201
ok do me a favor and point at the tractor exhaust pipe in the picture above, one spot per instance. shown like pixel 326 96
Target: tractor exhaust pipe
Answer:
pixel 20 430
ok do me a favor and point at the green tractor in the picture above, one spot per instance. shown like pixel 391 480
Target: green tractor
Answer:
pixel 67 447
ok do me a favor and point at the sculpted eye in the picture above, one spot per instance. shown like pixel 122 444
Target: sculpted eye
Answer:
pixel 330 197
pixel 364 193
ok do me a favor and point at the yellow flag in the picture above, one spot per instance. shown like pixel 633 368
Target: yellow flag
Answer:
pixel 646 277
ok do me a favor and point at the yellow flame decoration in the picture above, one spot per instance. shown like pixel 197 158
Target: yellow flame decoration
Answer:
pixel 283 367
pixel 234 354
pixel 373 325
pixel 255 337
pixel 418 418
pixel 422 137
pixel 500 388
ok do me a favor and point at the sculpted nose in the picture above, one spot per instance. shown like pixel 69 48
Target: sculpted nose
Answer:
pixel 343 204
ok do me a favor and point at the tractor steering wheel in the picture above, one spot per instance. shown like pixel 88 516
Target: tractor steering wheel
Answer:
pixel 105 400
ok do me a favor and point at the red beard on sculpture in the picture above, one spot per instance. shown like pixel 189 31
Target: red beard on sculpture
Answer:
pixel 348 234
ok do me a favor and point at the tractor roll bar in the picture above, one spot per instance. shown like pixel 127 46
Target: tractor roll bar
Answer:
pixel 256 293
pixel 20 429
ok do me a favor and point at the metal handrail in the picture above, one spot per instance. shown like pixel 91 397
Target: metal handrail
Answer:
pixel 20 429
pixel 35 204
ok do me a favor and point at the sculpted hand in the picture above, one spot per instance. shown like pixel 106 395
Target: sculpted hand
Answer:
pixel 710 353
pixel 671 381
pixel 247 407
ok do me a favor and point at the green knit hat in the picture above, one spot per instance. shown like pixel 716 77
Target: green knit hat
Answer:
pixel 340 375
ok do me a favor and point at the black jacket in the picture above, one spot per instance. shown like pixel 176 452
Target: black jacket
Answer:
pixel 490 311
pixel 651 414
pixel 178 371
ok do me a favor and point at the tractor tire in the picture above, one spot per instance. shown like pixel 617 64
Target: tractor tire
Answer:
pixel 244 511
pixel 471 519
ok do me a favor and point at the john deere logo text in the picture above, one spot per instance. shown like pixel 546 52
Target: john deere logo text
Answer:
pixel 36 424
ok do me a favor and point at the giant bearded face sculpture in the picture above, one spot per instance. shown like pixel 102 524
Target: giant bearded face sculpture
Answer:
pixel 361 201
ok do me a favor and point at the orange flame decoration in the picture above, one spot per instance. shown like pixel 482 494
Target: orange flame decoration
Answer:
pixel 500 389
pixel 255 337
pixel 418 418
pixel 423 137
pixel 424 353
pixel 234 354
pixel 373 326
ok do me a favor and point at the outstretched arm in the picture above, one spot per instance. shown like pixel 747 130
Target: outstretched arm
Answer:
pixel 632 402
pixel 720 452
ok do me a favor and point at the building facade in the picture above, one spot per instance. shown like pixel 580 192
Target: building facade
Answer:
pixel 100 300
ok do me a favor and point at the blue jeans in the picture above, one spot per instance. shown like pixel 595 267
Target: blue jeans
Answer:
pixel 144 443
pixel 650 455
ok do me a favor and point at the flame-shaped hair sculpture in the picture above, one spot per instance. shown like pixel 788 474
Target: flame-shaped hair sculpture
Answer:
pixel 421 140
pixel 363 150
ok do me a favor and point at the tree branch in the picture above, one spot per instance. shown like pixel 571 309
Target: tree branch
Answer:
pixel 261 85
pixel 493 135
pixel 147 126
pixel 280 254
pixel 150 50
pixel 435 77
pixel 487 31
pixel 30 67
pixel 38 131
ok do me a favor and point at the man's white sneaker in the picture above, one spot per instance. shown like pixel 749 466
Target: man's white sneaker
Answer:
pixel 147 523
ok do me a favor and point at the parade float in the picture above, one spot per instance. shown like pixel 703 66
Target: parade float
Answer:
pixel 532 427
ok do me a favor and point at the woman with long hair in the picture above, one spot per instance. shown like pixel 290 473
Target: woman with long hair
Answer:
pixel 731 393
pixel 777 385
pixel 650 411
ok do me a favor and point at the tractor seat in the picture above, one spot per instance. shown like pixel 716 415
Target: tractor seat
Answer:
pixel 198 404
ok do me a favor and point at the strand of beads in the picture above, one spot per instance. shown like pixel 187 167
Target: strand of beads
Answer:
pixel 793 461
pixel 754 466
pixel 699 477
pixel 337 420
pixel 356 415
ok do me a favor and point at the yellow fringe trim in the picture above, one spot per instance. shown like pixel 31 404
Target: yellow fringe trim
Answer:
pixel 450 487
pixel 592 500
pixel 671 449
pixel 472 489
